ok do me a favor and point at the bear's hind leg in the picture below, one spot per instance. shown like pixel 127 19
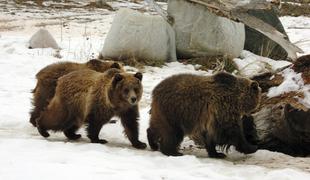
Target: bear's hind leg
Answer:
pixel 41 126
pixel 70 133
pixel 210 147
pixel 39 103
pixel 170 139
pixel 43 132
pixel 152 138
pixel 42 94
pixel 52 118
pixel 34 114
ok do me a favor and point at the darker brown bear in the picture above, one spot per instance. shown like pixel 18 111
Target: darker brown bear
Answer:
pixel 48 76
pixel 91 97
pixel 207 108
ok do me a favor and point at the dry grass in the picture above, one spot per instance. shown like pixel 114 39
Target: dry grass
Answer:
pixel 5 25
pixel 4 28
pixel 134 62
pixel 63 4
pixel 100 5
pixel 291 8
pixel 38 2
pixel 216 63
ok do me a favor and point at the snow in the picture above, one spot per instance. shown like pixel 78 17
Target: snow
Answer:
pixel 298 30
pixel 250 64
pixel 25 154
pixel 292 82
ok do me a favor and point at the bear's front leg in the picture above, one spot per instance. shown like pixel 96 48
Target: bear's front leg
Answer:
pixel 95 123
pixel 129 121
pixel 249 129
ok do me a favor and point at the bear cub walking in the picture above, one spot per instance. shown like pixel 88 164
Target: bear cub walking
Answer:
pixel 93 98
pixel 48 76
pixel 208 108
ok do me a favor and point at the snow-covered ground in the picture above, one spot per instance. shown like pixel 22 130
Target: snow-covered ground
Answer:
pixel 24 154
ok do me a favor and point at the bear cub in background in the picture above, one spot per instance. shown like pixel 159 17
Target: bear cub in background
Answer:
pixel 48 76
pixel 93 98
pixel 207 108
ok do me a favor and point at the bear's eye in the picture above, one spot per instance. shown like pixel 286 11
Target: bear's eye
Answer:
pixel 254 86
pixel 126 91
pixel 136 90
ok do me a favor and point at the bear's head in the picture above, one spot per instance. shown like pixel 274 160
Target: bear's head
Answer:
pixel 250 95
pixel 126 89
pixel 102 66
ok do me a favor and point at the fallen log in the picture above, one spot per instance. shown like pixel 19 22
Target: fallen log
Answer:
pixel 282 122
pixel 282 128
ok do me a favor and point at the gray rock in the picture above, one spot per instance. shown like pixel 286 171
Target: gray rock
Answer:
pixel 43 39
pixel 141 36
pixel 201 33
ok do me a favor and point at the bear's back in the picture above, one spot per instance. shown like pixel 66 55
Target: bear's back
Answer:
pixel 77 85
pixel 56 70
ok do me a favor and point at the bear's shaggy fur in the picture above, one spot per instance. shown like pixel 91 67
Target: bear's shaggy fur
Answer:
pixel 48 76
pixel 91 97
pixel 209 108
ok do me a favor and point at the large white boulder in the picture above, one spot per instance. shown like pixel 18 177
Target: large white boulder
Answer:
pixel 201 33
pixel 43 39
pixel 141 36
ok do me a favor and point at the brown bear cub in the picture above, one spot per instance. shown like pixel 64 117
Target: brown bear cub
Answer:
pixel 93 98
pixel 209 108
pixel 48 76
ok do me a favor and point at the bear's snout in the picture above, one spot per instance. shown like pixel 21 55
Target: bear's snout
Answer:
pixel 133 100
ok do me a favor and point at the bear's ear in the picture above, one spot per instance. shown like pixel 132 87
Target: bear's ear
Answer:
pixel 115 65
pixel 224 78
pixel 117 78
pixel 139 76
pixel 94 62
pixel 254 86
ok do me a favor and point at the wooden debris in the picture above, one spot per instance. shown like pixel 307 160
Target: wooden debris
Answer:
pixel 283 122
pixel 302 65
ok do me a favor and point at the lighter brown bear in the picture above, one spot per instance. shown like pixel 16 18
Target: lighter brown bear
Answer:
pixel 48 76
pixel 207 108
pixel 93 98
